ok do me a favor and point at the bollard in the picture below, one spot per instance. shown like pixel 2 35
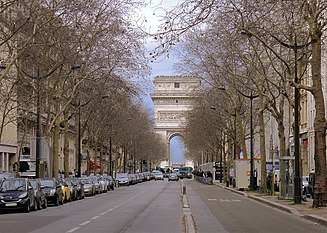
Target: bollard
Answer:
pixel 184 190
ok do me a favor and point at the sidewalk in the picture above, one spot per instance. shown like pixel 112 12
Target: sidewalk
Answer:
pixel 304 210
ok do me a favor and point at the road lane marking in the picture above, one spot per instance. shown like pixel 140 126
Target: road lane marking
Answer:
pixel 84 223
pixel 73 229
pixel 227 200
pixel 212 199
pixel 103 213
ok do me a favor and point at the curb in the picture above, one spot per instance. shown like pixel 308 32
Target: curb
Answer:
pixel 311 217
pixel 316 219
pixel 187 214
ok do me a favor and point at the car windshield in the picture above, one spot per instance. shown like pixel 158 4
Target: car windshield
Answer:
pixel 86 181
pixel 122 175
pixel 47 183
pixel 13 185
pixel 34 184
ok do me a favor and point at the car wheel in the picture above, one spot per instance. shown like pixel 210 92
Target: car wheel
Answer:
pixel 45 204
pixel 39 207
pixel 56 202
pixel 28 207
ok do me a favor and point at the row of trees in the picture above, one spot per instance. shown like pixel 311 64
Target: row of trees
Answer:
pixel 74 61
pixel 255 48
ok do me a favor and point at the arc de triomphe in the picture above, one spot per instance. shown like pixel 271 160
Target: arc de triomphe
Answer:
pixel 173 96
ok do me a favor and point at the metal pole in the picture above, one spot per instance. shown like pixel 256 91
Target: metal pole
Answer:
pixel 251 144
pixel 124 162
pixel 79 142
pixel 297 180
pixel 38 126
pixel 110 157
pixel 221 165
pixel 235 139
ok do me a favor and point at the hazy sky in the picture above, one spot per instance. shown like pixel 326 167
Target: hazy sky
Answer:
pixel 162 65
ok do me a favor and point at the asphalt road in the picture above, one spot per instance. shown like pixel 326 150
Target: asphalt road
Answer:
pixel 156 207
pixel 218 210
pixel 153 206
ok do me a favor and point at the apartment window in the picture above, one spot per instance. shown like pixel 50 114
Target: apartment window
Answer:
pixel 176 101
pixel 176 85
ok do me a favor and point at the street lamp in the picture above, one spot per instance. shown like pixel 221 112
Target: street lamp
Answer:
pixel 38 126
pixel 79 155
pixel 294 47
pixel 252 178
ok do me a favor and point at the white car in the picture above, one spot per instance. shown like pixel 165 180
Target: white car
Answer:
pixel 123 178
pixel 158 176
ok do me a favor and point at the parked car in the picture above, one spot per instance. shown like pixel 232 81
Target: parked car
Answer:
pixel 40 195
pixel 103 184
pixel 123 178
pixel 79 187
pixel 133 178
pixel 96 184
pixel 65 190
pixel 173 176
pixel 17 193
pixel 53 190
pixel 111 182
pixel 72 188
pixel 89 187
pixel 158 176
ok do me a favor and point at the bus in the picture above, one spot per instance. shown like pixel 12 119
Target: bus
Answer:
pixel 185 172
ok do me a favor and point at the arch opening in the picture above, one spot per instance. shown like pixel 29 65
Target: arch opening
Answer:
pixel 177 149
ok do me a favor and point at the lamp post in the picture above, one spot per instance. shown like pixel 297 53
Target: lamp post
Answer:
pixel 297 180
pixel 79 155
pixel 252 178
pixel 294 47
pixel 38 127
pixel 79 142
pixel 110 156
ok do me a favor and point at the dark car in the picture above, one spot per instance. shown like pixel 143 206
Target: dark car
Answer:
pixel 173 176
pixel 40 195
pixel 79 187
pixel 111 182
pixel 53 190
pixel 17 193
pixel 73 189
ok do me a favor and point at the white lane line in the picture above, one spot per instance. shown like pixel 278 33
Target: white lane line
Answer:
pixel 212 199
pixel 73 229
pixel 103 213
pixel 84 223
pixel 111 209
pixel 95 217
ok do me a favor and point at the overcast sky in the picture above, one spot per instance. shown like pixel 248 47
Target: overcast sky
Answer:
pixel 162 65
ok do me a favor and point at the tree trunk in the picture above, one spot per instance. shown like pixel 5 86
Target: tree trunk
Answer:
pixel 241 133
pixel 263 184
pixel 66 146
pixel 55 144
pixel 320 124
pixel 76 140
pixel 282 150
pixel 101 158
